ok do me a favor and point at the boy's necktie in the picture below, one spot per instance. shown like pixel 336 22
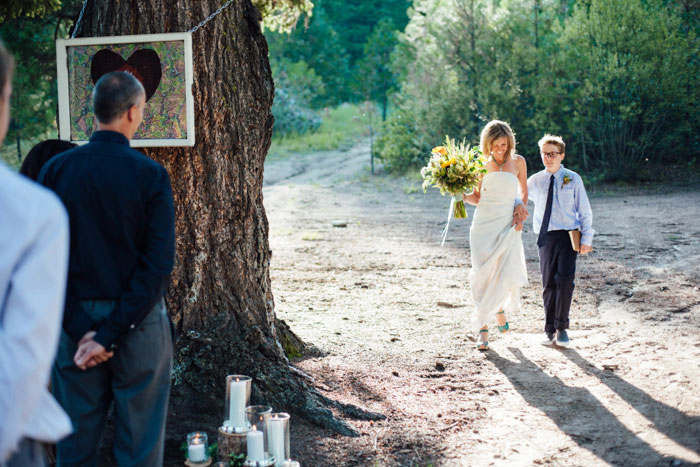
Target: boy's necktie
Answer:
pixel 542 237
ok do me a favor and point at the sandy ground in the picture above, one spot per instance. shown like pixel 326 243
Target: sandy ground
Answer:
pixel 389 308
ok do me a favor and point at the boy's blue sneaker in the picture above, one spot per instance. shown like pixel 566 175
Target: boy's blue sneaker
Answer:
pixel 563 338
pixel 549 339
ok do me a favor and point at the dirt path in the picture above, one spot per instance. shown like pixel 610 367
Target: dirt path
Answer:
pixel 389 309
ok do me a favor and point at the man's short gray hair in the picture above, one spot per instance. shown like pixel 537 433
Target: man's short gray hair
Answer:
pixel 114 94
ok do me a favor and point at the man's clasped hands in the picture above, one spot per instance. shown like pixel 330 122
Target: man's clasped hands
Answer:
pixel 90 353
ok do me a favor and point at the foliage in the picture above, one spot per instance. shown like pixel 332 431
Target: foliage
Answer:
pixel 333 41
pixel 630 81
pixel 282 15
pixel 299 78
pixel 616 78
pixel 340 129
pixel 236 460
pixel 295 88
pixel 33 103
pixel 317 45
pixel 291 115
pixel 14 9
pixel 375 79
pixel 401 145
pixel 29 29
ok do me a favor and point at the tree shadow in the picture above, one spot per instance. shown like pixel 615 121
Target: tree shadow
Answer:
pixel 384 443
pixel 577 413
pixel 313 446
pixel 680 427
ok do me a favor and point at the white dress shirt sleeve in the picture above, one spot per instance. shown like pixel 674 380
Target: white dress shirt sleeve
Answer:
pixel 532 195
pixel 33 270
pixel 585 213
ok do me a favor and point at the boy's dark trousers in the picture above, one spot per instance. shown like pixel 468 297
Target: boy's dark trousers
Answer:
pixel 558 268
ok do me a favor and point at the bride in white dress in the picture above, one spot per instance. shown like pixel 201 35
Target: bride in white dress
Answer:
pixel 498 260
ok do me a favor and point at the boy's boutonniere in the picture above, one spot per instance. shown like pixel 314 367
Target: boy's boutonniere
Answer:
pixel 567 179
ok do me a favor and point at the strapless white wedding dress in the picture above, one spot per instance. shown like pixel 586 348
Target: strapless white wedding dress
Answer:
pixel 498 259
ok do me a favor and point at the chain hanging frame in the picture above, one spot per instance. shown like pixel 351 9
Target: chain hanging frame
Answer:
pixel 80 19
pixel 211 16
pixel 202 23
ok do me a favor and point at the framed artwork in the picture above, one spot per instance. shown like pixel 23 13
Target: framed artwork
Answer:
pixel 163 64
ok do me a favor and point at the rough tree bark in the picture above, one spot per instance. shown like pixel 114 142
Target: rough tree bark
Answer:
pixel 220 297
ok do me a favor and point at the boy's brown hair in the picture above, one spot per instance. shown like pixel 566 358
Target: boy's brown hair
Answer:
pixel 552 139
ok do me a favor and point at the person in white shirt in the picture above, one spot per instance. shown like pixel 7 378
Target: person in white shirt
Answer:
pixel 561 205
pixel 33 269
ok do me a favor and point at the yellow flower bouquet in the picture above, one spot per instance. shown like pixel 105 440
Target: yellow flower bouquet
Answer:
pixel 454 169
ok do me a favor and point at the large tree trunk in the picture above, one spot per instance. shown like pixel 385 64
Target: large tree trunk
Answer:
pixel 220 297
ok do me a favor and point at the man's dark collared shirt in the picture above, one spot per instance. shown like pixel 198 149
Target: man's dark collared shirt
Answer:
pixel 122 234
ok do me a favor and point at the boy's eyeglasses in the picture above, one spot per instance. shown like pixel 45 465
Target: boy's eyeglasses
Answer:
pixel 550 155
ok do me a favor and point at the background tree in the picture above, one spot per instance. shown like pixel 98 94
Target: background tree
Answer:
pixel 630 79
pixel 319 47
pixel 296 88
pixel 30 33
pixel 220 296
pixel 14 9
pixel 618 79
pixel 332 42
pixel 375 78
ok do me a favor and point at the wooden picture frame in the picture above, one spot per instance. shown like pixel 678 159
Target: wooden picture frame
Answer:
pixel 162 62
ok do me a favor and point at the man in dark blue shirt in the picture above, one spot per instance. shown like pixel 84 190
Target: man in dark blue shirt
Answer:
pixel 116 343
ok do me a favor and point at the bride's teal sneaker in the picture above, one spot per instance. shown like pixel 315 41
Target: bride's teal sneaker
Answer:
pixel 505 327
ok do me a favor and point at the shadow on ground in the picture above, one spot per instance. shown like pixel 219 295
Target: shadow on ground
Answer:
pixel 577 412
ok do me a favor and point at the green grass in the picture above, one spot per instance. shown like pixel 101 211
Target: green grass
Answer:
pixel 8 150
pixel 311 236
pixel 340 128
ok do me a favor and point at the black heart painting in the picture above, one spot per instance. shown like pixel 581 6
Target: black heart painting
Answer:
pixel 143 64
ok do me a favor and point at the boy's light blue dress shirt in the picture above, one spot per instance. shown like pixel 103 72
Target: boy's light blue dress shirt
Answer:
pixel 570 206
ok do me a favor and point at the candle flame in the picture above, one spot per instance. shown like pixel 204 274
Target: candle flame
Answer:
pixel 254 428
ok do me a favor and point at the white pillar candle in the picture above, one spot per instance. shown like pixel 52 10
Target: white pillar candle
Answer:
pixel 254 445
pixel 237 403
pixel 275 438
pixel 196 452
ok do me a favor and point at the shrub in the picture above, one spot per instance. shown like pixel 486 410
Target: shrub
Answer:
pixel 291 115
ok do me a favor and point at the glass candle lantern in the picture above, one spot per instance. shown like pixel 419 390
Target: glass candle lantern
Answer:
pixel 237 396
pixel 278 437
pixel 258 452
pixel 197 447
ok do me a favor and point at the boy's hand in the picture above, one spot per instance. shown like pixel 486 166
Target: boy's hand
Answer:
pixel 518 224
pixel 519 215
pixel 585 249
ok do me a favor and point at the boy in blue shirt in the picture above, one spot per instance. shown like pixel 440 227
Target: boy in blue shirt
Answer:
pixel 561 205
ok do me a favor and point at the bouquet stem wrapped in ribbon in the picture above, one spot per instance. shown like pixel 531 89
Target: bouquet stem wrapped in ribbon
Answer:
pixel 454 169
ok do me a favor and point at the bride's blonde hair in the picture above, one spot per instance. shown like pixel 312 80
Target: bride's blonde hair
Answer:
pixel 492 131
